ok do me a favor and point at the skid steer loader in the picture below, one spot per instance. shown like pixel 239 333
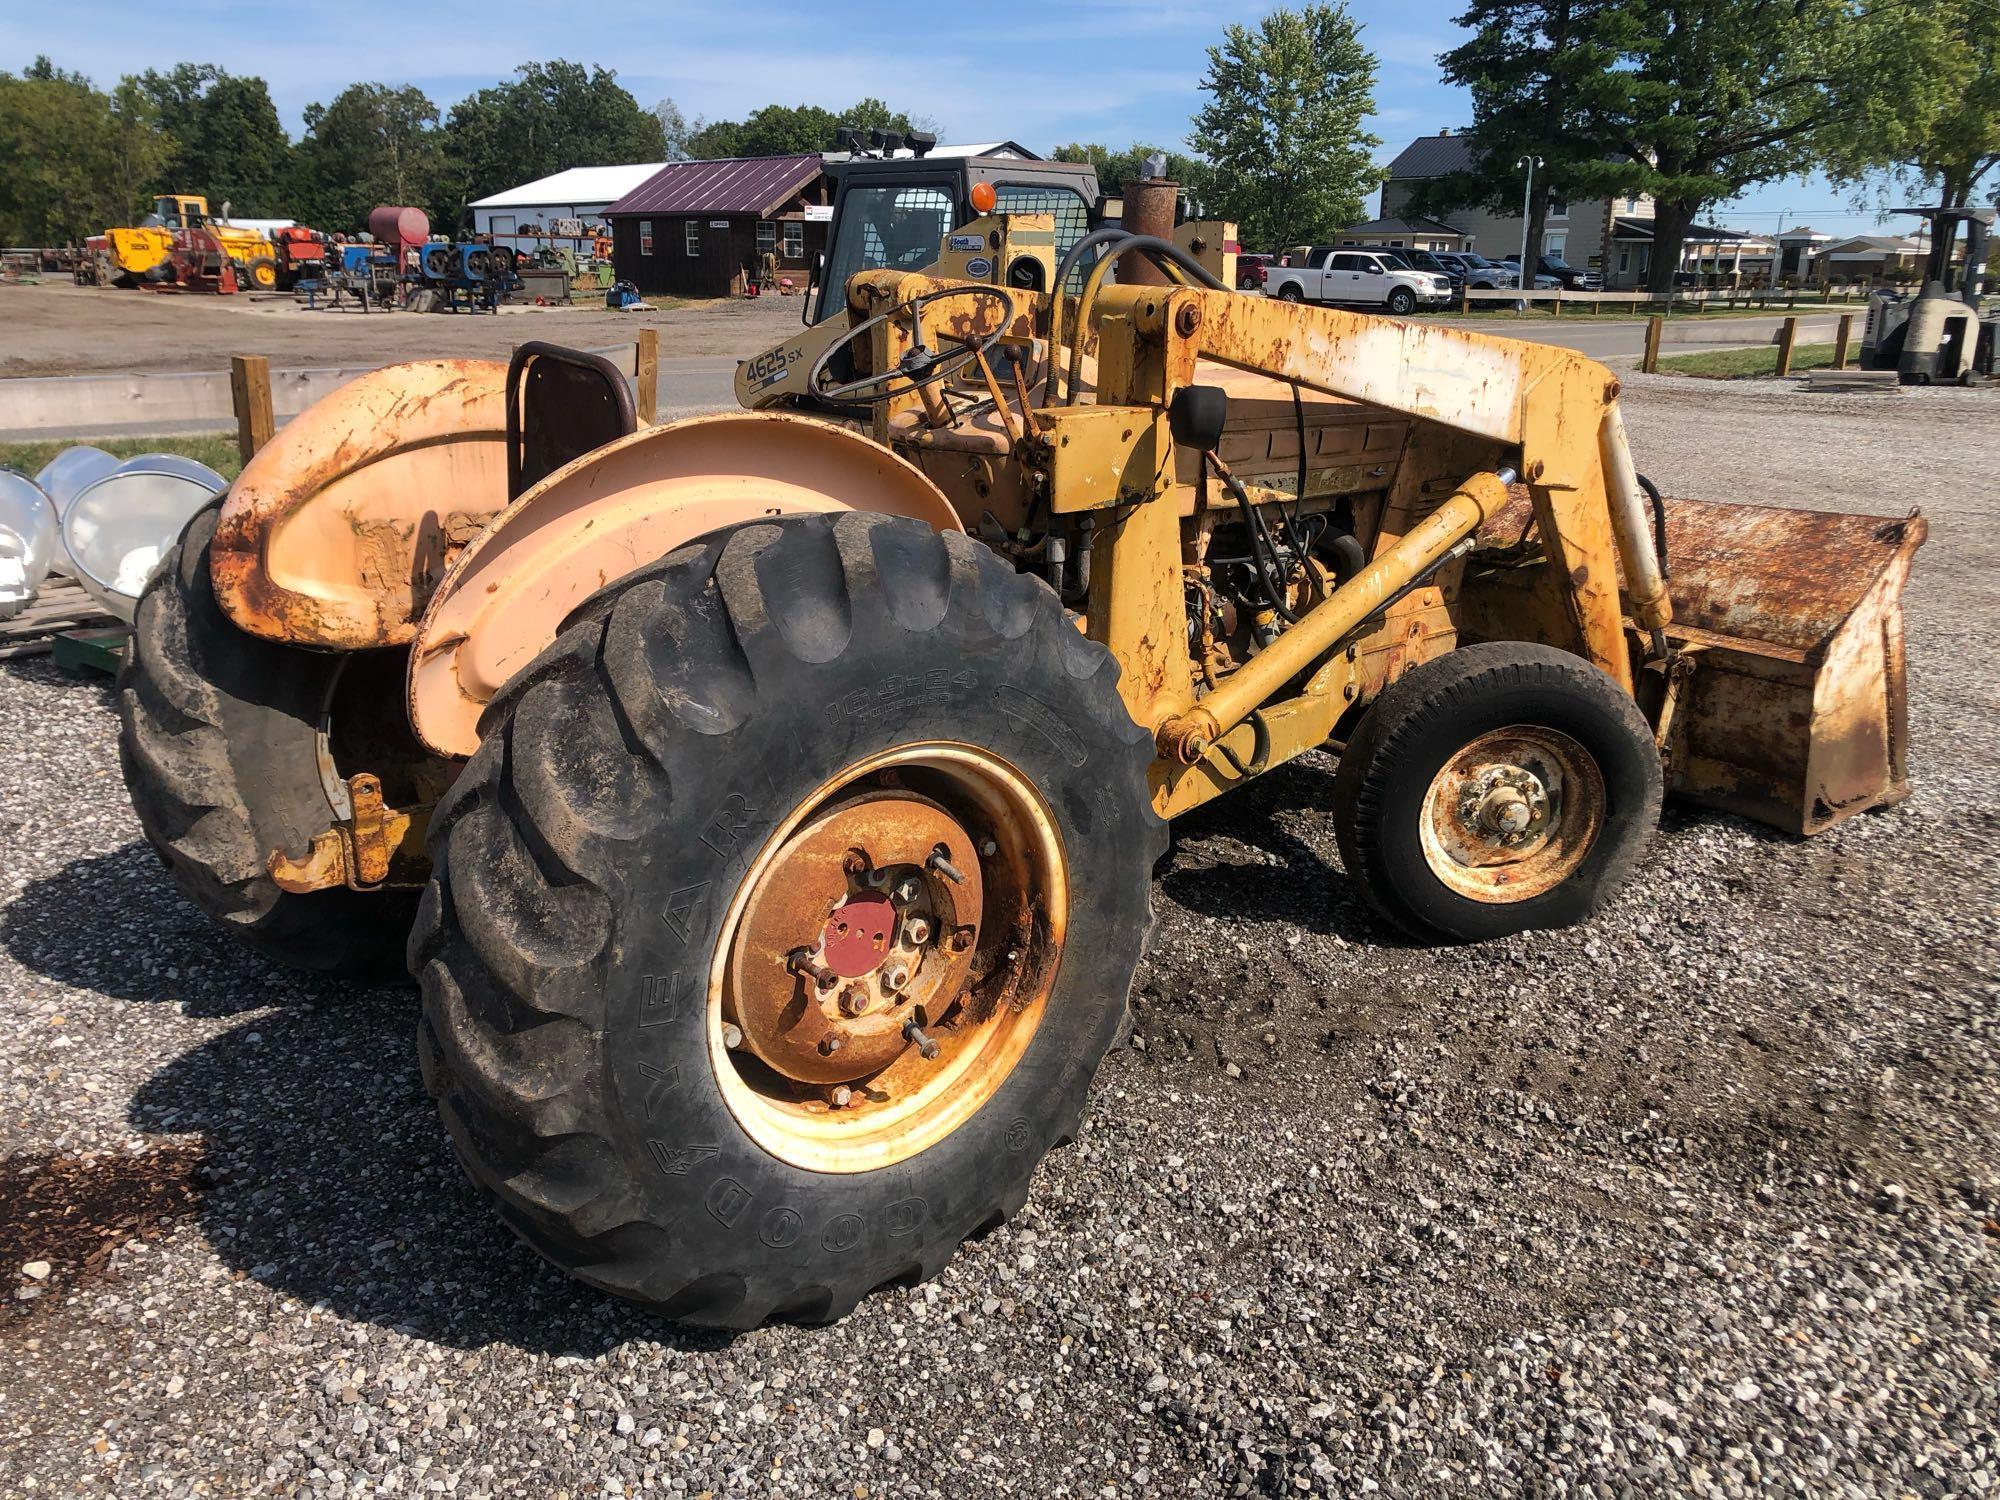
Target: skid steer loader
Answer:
pixel 771 806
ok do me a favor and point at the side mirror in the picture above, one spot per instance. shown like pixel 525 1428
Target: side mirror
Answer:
pixel 1198 415
pixel 815 274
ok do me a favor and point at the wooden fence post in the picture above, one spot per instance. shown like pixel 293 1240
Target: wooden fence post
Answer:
pixel 1840 341
pixel 1651 361
pixel 647 375
pixel 250 394
pixel 1786 335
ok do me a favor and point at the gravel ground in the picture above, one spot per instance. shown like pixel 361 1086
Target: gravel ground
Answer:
pixel 1703 1198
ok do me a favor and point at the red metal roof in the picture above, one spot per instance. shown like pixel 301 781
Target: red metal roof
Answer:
pixel 735 185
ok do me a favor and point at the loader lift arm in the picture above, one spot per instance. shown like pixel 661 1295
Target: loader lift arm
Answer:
pixel 1546 414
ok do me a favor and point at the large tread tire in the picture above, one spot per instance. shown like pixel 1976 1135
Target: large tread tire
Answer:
pixel 584 862
pixel 1424 719
pixel 218 737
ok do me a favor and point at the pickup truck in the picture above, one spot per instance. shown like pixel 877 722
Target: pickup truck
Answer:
pixel 1330 274
pixel 1569 278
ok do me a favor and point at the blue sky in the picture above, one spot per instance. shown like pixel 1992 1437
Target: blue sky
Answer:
pixel 1109 70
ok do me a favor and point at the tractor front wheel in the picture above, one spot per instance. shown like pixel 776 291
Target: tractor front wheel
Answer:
pixel 262 273
pixel 780 921
pixel 1494 789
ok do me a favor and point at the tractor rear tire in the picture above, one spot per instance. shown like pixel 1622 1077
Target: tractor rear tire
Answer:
pixel 219 740
pixel 1461 743
pixel 617 830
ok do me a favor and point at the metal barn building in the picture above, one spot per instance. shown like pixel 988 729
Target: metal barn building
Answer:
pixel 702 228
pixel 581 194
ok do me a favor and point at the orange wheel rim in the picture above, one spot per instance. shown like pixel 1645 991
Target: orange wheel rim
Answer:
pixel 888 957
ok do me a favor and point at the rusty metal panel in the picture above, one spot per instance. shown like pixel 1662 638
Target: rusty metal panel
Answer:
pixel 1797 711
pixel 1786 578
pixel 335 533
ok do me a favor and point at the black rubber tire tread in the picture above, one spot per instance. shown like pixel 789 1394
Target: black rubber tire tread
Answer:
pixel 217 738
pixel 1402 302
pixel 1427 716
pixel 734 663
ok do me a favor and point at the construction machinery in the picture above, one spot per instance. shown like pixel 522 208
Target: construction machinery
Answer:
pixel 179 231
pixel 772 801
pixel 1943 333
pixel 893 212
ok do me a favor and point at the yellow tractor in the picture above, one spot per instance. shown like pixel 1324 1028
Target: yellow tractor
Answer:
pixel 772 806
pixel 146 253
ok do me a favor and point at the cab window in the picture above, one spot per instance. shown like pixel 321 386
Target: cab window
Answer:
pixel 884 227
pixel 1072 218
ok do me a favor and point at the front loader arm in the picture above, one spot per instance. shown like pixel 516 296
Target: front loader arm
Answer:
pixel 1557 409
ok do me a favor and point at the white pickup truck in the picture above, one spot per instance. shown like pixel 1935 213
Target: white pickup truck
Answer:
pixel 1330 274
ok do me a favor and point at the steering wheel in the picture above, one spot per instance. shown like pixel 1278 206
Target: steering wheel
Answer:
pixel 920 365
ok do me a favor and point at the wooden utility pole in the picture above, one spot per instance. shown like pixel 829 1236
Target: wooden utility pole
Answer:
pixel 250 394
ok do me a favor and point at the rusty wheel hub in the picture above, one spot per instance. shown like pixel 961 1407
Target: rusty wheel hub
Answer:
pixel 1512 814
pixel 857 937
pixel 889 955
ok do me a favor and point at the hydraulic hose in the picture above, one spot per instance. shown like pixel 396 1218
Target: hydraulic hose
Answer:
pixel 1169 257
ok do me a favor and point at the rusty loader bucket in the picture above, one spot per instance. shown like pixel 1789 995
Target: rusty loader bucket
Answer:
pixel 1795 712
pixel 1785 700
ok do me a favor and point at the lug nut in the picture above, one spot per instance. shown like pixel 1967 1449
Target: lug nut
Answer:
pixel 855 863
pixel 926 1045
pixel 895 977
pixel 907 890
pixel 732 1036
pixel 828 1045
pixel 841 1095
pixel 961 939
pixel 853 1000
pixel 917 930
pixel 943 865
pixel 988 848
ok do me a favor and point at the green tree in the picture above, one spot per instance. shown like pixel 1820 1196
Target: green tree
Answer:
pixel 674 130
pixel 1717 96
pixel 545 119
pixel 1283 125
pixel 79 161
pixel 1930 129
pixel 1117 168
pixel 373 145
pixel 791 129
pixel 228 144
pixel 1535 72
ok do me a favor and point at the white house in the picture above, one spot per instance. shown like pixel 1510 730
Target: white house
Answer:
pixel 581 193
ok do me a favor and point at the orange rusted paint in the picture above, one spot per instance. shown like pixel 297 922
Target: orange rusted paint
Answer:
pixel 614 510
pixel 336 531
